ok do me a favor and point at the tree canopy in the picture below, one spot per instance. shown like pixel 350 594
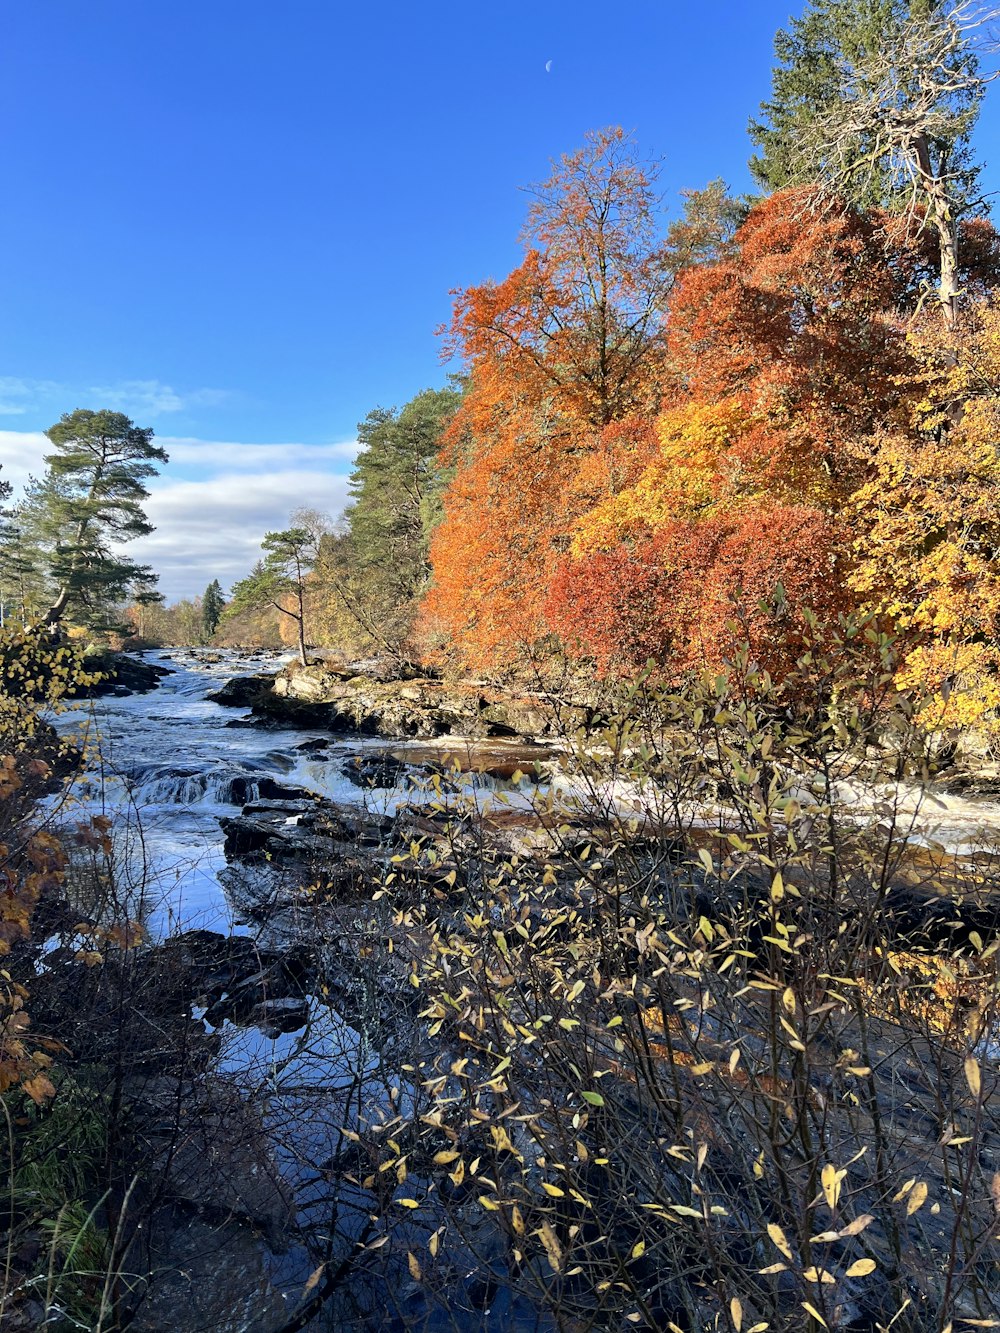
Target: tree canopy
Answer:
pixel 86 506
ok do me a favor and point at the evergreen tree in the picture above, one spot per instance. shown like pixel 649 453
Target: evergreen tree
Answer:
pixel 86 505
pixel 213 603
pixel 21 585
pixel 396 486
pixel 875 102
pixel 840 53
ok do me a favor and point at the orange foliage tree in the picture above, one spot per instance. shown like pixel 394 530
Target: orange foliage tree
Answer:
pixel 791 353
pixel 566 360
pixel 692 591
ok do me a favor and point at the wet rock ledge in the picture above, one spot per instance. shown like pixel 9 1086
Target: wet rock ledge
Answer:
pixel 120 675
pixel 345 700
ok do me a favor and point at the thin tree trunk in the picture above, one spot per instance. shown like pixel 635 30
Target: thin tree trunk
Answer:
pixel 301 620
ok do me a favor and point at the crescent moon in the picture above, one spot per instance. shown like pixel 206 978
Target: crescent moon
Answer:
pixel 548 67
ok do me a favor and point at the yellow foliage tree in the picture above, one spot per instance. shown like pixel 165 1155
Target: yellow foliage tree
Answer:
pixel 927 520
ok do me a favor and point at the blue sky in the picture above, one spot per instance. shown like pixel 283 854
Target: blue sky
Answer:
pixel 239 222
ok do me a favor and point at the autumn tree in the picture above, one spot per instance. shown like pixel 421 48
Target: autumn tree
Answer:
pixel 792 356
pixel 790 352
pixel 560 353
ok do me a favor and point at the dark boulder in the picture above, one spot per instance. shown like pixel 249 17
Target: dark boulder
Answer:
pixel 241 691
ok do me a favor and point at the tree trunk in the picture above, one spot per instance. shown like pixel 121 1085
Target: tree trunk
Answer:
pixel 301 622
pixel 54 613
pixel 946 228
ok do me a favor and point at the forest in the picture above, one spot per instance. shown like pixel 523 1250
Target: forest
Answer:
pixel 601 921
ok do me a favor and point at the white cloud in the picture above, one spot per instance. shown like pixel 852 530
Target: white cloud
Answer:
pixel 213 528
pixel 21 454
pixel 153 398
pixel 210 524
pixel 191 453
pixel 138 398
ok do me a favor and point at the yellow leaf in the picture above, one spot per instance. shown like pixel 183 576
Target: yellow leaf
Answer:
pixel 552 1247
pixel 554 1190
pixel 917 1196
pixel 830 1179
pixel 639 1249
pixel 861 1268
pixel 313 1278
pixel 972 1076
pixel 414 1267
pixel 736 1313
pixel 811 1309
pixel 408 1203
pixel 778 1237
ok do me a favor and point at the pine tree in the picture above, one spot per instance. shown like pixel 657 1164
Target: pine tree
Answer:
pixel 874 101
pixel 89 501
pixel 807 80
pixel 213 603
pixel 396 487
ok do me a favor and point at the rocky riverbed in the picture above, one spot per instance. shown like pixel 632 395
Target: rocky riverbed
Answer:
pixel 243 850
pixel 259 819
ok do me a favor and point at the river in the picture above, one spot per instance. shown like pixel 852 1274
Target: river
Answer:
pixel 166 766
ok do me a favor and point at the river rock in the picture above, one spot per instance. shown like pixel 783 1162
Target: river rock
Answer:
pixel 422 707
pixel 120 675
pixel 380 769
pixel 307 831
pixel 218 1158
pixel 241 691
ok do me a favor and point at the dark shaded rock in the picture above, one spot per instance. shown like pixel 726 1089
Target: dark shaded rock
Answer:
pixel 280 1014
pixel 313 747
pixel 241 691
pixel 378 770
pixel 207 1275
pixel 220 1164
pixel 120 675
pixel 309 832
pixel 939 923
pixel 270 790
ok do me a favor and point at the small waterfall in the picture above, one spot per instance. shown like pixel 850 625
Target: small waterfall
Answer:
pixel 175 785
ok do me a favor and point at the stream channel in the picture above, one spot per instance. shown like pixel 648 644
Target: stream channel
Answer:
pixel 166 766
pixel 277 1206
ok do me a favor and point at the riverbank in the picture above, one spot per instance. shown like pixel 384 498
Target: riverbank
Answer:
pixel 389 987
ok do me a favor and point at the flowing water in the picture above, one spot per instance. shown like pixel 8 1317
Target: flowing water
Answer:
pixel 173 763
pixel 166 766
